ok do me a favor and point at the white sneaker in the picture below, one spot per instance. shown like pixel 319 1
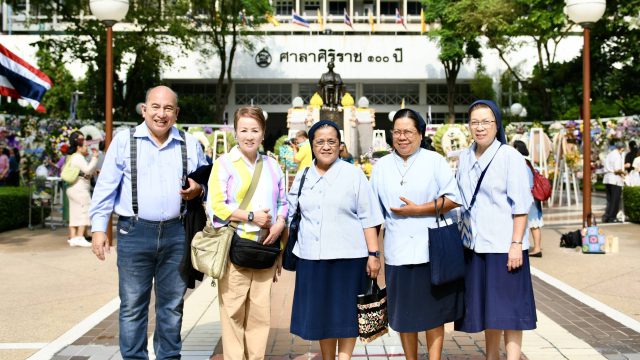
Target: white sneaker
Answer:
pixel 79 241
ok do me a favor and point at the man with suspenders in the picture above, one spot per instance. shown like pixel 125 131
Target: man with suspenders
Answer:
pixel 144 180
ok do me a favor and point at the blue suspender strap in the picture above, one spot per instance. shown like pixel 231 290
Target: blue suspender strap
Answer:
pixel 133 146
pixel 473 199
pixel 183 150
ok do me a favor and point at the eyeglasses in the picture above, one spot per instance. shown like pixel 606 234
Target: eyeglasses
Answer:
pixel 484 123
pixel 169 110
pixel 322 143
pixel 406 133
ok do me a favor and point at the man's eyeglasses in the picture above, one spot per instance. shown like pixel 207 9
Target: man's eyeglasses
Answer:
pixel 484 123
pixel 167 109
pixel 406 133
pixel 322 143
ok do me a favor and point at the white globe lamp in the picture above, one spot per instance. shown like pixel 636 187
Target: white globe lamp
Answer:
pixel 585 11
pixel 109 10
pixel 297 102
pixel 516 109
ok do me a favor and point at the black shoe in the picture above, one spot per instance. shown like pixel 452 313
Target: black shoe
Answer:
pixel 538 254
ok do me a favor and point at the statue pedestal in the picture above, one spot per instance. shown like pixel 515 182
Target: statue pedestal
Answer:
pixel 332 115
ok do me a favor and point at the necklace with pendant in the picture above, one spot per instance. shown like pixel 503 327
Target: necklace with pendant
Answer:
pixel 402 175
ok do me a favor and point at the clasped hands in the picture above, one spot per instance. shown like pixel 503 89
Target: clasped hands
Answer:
pixel 263 219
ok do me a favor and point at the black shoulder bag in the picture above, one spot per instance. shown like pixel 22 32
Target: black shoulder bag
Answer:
pixel 253 254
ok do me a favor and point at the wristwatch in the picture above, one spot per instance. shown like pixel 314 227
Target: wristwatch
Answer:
pixel 374 253
pixel 250 216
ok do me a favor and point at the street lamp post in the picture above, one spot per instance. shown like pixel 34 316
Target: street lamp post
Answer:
pixel 109 12
pixel 586 13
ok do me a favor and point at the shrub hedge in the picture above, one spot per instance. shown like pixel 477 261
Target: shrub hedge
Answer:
pixel 631 199
pixel 14 208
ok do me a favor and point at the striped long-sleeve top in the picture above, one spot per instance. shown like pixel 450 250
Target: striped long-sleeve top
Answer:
pixel 229 182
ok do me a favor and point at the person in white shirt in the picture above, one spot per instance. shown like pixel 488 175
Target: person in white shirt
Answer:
pixel 633 179
pixel 613 182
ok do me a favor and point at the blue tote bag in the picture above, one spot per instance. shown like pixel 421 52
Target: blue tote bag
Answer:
pixel 446 251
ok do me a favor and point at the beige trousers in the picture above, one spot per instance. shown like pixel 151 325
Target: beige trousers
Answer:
pixel 245 311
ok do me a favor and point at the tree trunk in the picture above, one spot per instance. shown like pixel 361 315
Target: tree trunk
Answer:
pixel 451 69
pixel 220 100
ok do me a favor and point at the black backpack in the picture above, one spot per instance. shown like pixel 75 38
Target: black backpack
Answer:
pixel 571 239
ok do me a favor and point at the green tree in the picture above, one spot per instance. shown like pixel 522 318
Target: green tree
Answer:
pixel 614 67
pixel 506 23
pixel 482 85
pixel 57 100
pixel 224 25
pixel 156 26
pixel 457 42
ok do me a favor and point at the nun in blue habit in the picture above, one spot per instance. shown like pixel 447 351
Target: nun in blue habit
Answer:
pixel 496 198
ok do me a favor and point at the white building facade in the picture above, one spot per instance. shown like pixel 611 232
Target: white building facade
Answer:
pixel 378 58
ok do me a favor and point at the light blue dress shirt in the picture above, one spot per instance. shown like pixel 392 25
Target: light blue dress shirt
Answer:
pixel 336 208
pixel 159 177
pixel 427 176
pixel 504 192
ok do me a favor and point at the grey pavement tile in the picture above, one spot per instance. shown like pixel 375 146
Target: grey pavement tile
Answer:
pixel 375 350
pixel 359 350
pixel 60 357
pixel 116 356
pixel 635 356
pixel 71 350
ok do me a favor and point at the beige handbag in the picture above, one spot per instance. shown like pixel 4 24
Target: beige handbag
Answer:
pixel 210 247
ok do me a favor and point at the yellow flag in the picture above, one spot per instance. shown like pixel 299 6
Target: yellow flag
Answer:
pixel 320 20
pixel 371 22
pixel 402 104
pixel 423 22
pixel 272 20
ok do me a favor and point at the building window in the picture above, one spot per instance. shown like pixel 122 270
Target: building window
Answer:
pixel 263 94
pixel 337 7
pixel 311 7
pixel 389 7
pixel 188 89
pixel 443 117
pixel 413 7
pixel 283 7
pixel 392 94
pixel 438 117
pixel 437 94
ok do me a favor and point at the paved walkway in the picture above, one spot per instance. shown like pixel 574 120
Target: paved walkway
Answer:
pixel 588 308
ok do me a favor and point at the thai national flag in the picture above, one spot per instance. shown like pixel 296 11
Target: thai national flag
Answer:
pixel 347 19
pixel 20 80
pixel 298 20
pixel 399 19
